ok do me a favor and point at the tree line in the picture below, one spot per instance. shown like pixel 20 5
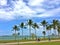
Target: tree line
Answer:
pixel 46 26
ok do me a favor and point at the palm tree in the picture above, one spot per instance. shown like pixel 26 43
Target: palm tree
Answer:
pixel 44 23
pixel 35 26
pixel 30 22
pixel 55 24
pixel 18 37
pixel 58 30
pixel 48 27
pixel 44 33
pixel 22 26
pixel 15 28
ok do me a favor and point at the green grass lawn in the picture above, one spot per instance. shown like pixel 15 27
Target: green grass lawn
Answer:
pixel 7 41
pixel 45 43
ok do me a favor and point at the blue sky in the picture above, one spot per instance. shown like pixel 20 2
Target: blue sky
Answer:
pixel 15 11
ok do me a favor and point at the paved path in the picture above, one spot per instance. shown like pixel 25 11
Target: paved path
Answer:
pixel 28 42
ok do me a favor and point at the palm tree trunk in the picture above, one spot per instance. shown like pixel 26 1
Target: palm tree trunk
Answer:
pixel 50 33
pixel 58 35
pixel 22 34
pixel 44 36
pixel 30 31
pixel 35 34
pixel 44 30
pixel 15 35
pixel 55 31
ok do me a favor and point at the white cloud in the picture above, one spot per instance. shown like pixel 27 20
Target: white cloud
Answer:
pixel 6 15
pixel 36 5
pixel 21 9
pixel 51 4
pixel 50 13
pixel 35 2
pixel 3 2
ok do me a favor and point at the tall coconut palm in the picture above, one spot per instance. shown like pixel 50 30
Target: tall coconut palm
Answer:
pixel 49 28
pixel 55 24
pixel 15 28
pixel 44 33
pixel 30 22
pixel 35 26
pixel 22 26
pixel 58 30
pixel 44 23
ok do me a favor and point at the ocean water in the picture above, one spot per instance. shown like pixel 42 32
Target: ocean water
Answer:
pixel 9 37
pixel 24 37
